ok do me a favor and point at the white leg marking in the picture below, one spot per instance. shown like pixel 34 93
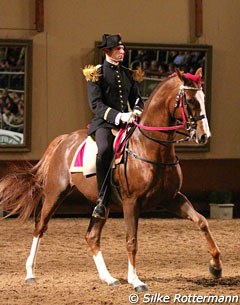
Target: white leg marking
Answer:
pixel 103 271
pixel 31 261
pixel 132 276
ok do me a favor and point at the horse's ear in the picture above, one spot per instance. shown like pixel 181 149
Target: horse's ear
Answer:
pixel 179 74
pixel 199 72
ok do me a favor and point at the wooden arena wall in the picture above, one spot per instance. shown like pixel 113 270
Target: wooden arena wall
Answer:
pixel 64 33
pixel 200 178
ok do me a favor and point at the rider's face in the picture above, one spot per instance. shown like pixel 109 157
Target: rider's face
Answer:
pixel 117 53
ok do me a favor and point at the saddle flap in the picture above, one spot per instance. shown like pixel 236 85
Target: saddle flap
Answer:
pixel 84 159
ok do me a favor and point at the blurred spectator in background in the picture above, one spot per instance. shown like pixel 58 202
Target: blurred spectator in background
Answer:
pixel 163 70
pixel 179 60
pixel 11 106
pixel 152 71
pixel 18 119
pixel 7 118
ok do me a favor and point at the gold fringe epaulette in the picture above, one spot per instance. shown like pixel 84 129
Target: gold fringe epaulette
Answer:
pixel 138 74
pixel 92 73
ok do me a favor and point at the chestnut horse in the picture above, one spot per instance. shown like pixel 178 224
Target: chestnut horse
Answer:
pixel 150 175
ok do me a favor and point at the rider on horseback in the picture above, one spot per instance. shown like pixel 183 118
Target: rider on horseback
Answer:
pixel 114 98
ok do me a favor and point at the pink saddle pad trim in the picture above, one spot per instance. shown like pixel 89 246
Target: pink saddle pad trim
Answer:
pixel 79 158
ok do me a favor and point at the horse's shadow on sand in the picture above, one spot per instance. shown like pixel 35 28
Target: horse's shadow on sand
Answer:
pixel 204 282
pixel 228 281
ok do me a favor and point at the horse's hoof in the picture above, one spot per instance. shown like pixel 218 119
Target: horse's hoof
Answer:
pixel 114 283
pixel 216 273
pixel 30 281
pixel 141 288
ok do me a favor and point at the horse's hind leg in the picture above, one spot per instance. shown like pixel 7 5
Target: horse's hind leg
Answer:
pixel 93 237
pixel 51 202
pixel 182 207
pixel 31 261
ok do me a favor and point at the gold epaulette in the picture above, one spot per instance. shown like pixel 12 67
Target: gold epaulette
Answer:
pixel 92 73
pixel 138 74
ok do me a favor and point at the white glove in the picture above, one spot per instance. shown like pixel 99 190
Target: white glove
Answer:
pixel 137 112
pixel 127 117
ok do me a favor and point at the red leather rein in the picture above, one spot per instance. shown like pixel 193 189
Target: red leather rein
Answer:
pixel 168 128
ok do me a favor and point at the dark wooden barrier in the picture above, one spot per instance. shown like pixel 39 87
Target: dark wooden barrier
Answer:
pixel 200 178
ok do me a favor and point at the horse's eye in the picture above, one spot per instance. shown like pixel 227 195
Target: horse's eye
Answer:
pixel 193 102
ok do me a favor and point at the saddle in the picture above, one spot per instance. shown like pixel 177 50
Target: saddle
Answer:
pixel 84 160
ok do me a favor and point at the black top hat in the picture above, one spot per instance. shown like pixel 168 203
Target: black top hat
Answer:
pixel 110 41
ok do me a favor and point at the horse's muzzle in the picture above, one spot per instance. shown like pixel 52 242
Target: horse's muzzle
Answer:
pixel 199 138
pixel 203 139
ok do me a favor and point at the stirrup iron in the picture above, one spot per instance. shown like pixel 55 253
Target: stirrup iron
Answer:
pixel 100 211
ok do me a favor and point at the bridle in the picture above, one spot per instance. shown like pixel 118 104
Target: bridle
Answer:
pixel 189 122
pixel 183 104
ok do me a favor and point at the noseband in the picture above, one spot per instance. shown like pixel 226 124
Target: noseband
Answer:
pixel 188 122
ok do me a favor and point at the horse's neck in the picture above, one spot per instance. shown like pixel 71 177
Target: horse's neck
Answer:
pixel 153 144
pixel 160 107
pixel 157 114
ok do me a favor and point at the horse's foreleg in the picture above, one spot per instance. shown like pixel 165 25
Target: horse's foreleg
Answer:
pixel 182 207
pixel 93 237
pixel 31 261
pixel 131 221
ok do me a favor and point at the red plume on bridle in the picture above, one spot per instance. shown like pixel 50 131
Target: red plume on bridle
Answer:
pixel 195 78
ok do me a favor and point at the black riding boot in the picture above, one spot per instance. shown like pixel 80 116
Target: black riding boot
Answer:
pixel 102 167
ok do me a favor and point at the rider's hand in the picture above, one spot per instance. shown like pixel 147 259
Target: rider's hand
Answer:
pixel 137 112
pixel 127 117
